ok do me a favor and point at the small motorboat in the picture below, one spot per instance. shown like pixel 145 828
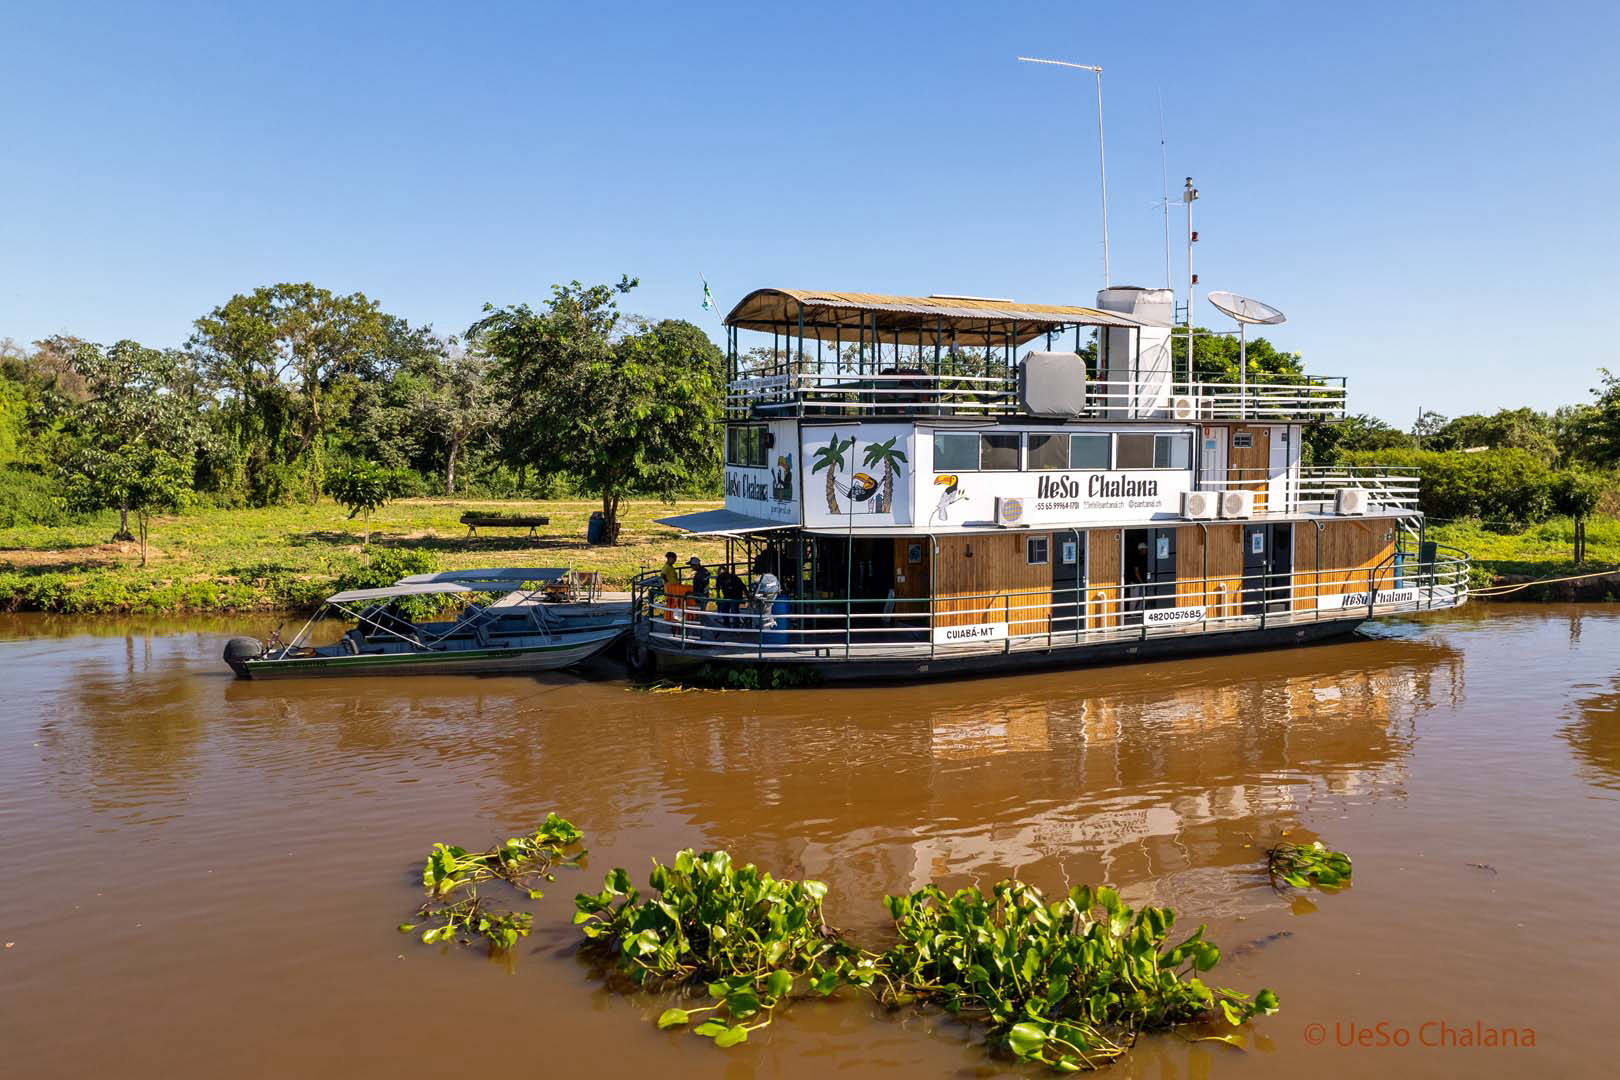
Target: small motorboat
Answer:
pixel 519 633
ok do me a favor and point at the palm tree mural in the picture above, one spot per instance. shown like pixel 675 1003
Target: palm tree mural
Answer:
pixel 831 458
pixel 892 460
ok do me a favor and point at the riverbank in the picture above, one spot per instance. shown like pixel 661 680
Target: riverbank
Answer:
pixel 213 559
pixel 1536 553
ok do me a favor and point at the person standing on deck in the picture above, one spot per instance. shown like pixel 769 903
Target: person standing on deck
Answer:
pixel 700 582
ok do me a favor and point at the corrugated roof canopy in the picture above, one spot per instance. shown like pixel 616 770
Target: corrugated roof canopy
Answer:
pixel 829 315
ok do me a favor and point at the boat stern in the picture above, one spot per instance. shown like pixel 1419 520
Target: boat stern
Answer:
pixel 238 651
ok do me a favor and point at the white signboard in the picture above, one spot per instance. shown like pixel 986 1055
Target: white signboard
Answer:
pixel 1177 616
pixel 968 635
pixel 1360 599
pixel 1060 498
pixel 768 492
pixel 857 475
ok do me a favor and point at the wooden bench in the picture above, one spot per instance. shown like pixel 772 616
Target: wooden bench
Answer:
pixel 475 521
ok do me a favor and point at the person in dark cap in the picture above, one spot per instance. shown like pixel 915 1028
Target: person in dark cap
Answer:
pixel 700 582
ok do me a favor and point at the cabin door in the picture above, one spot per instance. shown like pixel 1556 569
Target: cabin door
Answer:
pixel 1280 596
pixel 1068 582
pixel 1268 563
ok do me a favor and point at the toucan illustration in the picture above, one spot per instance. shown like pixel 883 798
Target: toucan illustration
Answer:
pixel 953 493
pixel 862 487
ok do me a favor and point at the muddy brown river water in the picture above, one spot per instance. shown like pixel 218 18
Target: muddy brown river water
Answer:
pixel 203 876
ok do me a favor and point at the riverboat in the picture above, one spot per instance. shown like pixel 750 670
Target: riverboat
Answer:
pixel 942 485
pixel 534 625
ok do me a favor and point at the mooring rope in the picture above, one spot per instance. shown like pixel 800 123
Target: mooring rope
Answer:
pixel 1503 590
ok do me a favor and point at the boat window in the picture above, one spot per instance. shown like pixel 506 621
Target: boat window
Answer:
pixel 1172 451
pixel 746 446
pixel 1038 550
pixel 1088 451
pixel 1049 453
pixel 1133 452
pixel 998 452
pixel 955 452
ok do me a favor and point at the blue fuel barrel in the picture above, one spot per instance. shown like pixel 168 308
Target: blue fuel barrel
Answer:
pixel 593 529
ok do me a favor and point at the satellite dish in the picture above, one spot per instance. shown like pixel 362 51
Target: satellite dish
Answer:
pixel 1245 310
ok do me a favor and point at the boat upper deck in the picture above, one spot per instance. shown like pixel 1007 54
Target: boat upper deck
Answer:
pixel 870 355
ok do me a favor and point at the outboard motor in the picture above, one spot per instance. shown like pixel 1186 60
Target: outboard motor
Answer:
pixel 238 651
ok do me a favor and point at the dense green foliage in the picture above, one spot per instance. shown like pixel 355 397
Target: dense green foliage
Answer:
pixel 622 409
pixel 1308 866
pixel 454 908
pixel 277 387
pixel 742 932
pixel 1068 983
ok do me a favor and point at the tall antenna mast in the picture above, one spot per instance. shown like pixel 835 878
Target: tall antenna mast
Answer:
pixel 1188 195
pixel 1164 178
pixel 1102 165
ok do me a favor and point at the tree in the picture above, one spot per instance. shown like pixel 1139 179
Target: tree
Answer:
pixel 1505 429
pixel 280 351
pixel 1591 432
pixel 134 435
pixel 1215 357
pixel 363 487
pixel 1326 443
pixel 622 413
pixel 1428 424
pixel 453 396
pixel 1577 493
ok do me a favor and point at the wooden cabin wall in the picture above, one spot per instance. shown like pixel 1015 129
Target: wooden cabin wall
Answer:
pixel 1104 573
pixel 1351 548
pixel 1305 581
pixel 1225 596
pixel 1249 467
pixel 998 569
pixel 1189 566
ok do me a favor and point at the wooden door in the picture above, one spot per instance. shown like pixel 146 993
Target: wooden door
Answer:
pixel 1249 462
pixel 1103 577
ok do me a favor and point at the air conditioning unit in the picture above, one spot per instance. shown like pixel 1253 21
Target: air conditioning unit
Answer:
pixel 1351 501
pixel 1184 407
pixel 1198 505
pixel 1009 512
pixel 1237 504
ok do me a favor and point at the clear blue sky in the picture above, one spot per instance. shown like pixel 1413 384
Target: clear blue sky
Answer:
pixel 1427 190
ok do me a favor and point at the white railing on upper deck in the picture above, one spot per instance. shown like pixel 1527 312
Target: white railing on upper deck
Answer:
pixel 815 393
pixel 1315 489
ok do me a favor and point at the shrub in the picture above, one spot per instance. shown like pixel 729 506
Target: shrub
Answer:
pixel 27 498
pixel 1501 486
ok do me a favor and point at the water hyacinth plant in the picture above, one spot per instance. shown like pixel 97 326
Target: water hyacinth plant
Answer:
pixel 452 875
pixel 1306 866
pixel 750 937
pixel 1070 983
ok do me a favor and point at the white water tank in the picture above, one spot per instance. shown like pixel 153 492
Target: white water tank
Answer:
pixel 1136 365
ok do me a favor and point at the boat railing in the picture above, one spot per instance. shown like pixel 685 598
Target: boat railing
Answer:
pixel 1315 489
pixel 972 623
pixel 891 392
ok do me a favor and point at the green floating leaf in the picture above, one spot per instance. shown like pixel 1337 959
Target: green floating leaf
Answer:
pixel 673 1018
pixel 731 1036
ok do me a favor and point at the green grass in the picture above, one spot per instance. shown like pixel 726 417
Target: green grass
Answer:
pixel 1540 551
pixel 290 556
